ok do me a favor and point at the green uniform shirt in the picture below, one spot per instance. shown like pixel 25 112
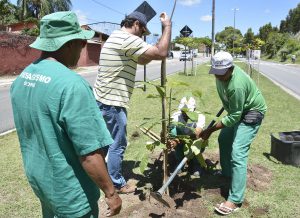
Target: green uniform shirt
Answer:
pixel 57 120
pixel 238 95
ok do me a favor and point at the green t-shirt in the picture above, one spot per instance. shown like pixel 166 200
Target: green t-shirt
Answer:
pixel 57 120
pixel 238 95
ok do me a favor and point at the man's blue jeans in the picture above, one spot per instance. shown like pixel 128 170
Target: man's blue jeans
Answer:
pixel 116 122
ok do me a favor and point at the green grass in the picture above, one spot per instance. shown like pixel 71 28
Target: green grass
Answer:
pixel 281 197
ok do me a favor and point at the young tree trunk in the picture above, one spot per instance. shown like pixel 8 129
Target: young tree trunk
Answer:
pixel 163 123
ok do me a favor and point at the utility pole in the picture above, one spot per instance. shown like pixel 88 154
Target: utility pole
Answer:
pixel 234 11
pixel 213 29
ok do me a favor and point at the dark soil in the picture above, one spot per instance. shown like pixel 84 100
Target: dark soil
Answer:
pixel 189 196
pixel 260 211
pixel 259 177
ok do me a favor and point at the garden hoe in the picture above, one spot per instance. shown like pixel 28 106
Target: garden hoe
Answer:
pixel 158 195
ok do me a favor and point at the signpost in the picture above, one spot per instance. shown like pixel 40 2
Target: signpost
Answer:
pixel 185 32
pixel 149 12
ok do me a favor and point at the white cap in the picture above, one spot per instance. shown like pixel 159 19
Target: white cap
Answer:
pixel 220 63
pixel 189 104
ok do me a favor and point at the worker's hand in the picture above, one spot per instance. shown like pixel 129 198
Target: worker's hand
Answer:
pixel 114 204
pixel 165 20
pixel 198 132
pixel 172 143
pixel 205 134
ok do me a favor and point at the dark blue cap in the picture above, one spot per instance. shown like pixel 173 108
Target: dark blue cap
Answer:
pixel 141 18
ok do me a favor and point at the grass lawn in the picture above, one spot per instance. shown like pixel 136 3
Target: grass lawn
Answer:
pixel 281 198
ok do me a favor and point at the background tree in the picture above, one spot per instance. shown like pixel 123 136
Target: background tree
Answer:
pixel 228 36
pixel 249 37
pixel 8 12
pixel 265 30
pixel 257 44
pixel 292 22
pixel 274 42
pixel 40 8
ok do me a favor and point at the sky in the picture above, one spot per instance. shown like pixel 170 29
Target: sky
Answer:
pixel 194 13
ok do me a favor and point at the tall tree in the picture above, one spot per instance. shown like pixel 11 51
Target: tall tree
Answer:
pixel 229 36
pixel 8 12
pixel 39 8
pixel 249 37
pixel 292 22
pixel 274 42
pixel 265 30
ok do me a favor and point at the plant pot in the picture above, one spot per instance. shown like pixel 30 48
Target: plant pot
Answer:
pixel 287 148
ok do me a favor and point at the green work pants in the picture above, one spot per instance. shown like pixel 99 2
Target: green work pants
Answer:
pixel 48 213
pixel 234 144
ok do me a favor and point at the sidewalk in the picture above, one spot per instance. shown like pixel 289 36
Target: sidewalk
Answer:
pixel 7 80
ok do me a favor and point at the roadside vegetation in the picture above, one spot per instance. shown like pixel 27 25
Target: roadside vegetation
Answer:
pixel 276 43
pixel 278 197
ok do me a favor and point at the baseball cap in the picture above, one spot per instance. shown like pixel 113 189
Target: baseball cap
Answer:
pixel 58 28
pixel 220 63
pixel 141 18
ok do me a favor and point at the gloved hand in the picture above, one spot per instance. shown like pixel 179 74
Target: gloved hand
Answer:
pixel 172 143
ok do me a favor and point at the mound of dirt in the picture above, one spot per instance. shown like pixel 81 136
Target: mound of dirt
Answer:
pixel 189 196
pixel 149 207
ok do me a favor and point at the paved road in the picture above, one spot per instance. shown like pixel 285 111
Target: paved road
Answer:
pixel 285 75
pixel 153 72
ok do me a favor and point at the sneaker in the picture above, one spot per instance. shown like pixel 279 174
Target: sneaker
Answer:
pixel 126 189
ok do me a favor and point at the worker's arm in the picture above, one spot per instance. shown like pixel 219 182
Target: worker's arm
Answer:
pixel 94 164
pixel 160 50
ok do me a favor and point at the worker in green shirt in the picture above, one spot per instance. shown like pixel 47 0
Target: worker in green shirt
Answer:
pixel 60 128
pixel 246 108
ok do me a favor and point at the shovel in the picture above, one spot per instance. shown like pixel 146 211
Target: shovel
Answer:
pixel 158 195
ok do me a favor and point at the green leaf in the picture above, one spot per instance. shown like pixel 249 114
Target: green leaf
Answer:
pixel 144 163
pixel 153 96
pixel 201 160
pixel 152 145
pixel 197 93
pixel 192 115
pixel 198 145
pixel 160 90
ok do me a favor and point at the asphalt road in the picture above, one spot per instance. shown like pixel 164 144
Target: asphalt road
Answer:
pixel 152 69
pixel 286 76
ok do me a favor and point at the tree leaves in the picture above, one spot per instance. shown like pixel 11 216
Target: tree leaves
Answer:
pixel 144 163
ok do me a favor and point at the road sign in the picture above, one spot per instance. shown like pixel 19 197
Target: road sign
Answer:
pixel 146 9
pixel 186 31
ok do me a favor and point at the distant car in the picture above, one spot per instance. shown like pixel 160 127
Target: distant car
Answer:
pixel 185 55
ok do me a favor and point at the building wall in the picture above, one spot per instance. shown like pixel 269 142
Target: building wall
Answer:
pixel 90 55
pixel 18 27
pixel 15 53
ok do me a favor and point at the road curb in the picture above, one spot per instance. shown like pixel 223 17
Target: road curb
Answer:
pixel 7 132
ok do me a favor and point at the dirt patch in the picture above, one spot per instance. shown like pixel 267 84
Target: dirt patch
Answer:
pixel 259 211
pixel 134 206
pixel 259 177
pixel 189 195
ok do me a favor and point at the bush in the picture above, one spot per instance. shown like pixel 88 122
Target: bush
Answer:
pixel 31 32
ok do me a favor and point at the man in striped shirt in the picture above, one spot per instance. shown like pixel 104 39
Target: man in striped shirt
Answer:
pixel 115 81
